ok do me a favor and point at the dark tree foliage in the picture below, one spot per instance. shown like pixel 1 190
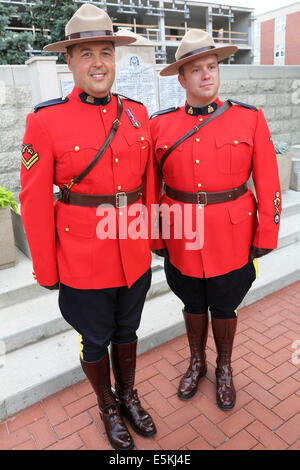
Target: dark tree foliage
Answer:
pixel 48 18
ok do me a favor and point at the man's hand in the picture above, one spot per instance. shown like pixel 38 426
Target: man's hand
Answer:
pixel 258 252
pixel 162 252
pixel 55 286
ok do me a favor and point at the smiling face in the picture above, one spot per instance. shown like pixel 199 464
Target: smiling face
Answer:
pixel 93 67
pixel 201 80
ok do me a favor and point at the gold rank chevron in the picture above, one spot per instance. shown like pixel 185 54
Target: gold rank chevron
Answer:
pixel 33 158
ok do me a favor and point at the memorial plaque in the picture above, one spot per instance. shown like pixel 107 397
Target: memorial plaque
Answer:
pixel 137 81
pixel 171 92
pixel 66 86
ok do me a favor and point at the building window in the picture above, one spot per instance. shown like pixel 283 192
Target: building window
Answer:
pixel 280 23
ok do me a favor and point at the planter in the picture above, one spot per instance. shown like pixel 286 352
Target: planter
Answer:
pixel 7 242
pixel 284 167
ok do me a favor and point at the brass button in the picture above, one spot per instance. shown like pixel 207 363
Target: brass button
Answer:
pixel 67 229
pixel 249 213
pixel 116 160
pixel 197 161
pixel 165 146
pixel 120 212
pixel 197 140
pixel 199 185
pixel 236 142
pixel 76 148
pixel 119 187
pixel 200 119
pixel 142 138
pixel 104 110
pixel 144 147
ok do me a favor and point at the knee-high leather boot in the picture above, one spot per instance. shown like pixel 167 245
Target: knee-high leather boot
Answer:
pixel 197 330
pixel 224 332
pixel 98 374
pixel 124 365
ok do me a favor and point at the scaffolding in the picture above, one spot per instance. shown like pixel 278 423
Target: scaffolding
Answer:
pixel 166 21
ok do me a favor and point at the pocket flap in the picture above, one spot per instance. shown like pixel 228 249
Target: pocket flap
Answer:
pixel 137 136
pixel 71 226
pixel 242 210
pixel 166 144
pixel 233 140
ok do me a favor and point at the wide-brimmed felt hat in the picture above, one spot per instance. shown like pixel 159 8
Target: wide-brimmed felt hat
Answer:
pixel 89 23
pixel 196 43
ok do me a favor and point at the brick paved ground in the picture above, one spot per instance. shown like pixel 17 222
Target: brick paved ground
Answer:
pixel 267 379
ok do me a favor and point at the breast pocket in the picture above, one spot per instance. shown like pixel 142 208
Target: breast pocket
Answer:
pixel 137 151
pixel 234 154
pixel 74 156
pixel 173 165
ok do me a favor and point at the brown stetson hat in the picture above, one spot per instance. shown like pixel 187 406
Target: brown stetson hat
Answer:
pixel 89 23
pixel 194 44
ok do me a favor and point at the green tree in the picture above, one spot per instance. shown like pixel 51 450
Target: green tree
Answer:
pixel 49 18
pixel 13 45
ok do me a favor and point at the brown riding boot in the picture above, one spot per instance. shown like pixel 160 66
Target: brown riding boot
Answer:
pixel 224 332
pixel 124 364
pixel 98 374
pixel 197 330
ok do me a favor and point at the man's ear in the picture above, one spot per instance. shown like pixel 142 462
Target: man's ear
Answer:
pixel 68 59
pixel 181 80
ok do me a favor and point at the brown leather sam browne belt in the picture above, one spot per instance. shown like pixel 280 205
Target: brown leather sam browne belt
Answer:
pixel 119 200
pixel 204 198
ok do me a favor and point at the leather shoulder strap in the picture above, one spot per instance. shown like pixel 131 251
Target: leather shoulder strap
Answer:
pixel 225 106
pixel 101 151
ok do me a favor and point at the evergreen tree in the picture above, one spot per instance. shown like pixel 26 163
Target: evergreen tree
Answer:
pixel 13 45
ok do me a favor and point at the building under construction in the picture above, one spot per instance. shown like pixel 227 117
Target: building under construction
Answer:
pixel 166 21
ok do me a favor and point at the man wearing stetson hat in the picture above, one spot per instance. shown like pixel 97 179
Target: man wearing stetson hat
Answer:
pixel 96 147
pixel 206 151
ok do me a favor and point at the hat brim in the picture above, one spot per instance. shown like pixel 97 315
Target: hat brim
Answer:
pixel 221 52
pixel 61 46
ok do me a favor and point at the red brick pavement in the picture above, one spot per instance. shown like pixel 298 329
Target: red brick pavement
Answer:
pixel 266 364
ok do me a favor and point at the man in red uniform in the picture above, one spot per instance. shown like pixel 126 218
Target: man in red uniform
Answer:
pixel 207 171
pixel 81 244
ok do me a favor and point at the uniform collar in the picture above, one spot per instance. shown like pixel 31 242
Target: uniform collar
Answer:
pixel 204 111
pixel 88 99
pixel 82 96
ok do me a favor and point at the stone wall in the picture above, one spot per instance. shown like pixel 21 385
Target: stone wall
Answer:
pixel 276 89
pixel 15 104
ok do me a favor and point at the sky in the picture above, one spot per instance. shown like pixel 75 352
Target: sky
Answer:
pixel 260 6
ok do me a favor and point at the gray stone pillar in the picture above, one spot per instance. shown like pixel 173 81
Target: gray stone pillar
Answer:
pixel 295 175
pixel 43 78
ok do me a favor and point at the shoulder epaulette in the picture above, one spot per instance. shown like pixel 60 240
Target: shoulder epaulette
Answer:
pixel 245 105
pixel 45 104
pixel 164 111
pixel 130 99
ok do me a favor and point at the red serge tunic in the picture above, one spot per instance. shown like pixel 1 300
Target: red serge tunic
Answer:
pixel 219 157
pixel 67 242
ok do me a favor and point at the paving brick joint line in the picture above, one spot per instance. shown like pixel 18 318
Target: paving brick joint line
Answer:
pixel 266 365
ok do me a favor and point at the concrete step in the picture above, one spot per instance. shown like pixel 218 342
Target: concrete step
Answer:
pixel 289 231
pixel 46 366
pixel 17 283
pixel 30 321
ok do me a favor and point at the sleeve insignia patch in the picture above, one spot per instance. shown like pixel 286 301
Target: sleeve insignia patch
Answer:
pixel 277 207
pixel 29 156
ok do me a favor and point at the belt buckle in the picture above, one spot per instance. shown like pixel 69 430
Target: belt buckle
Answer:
pixel 199 198
pixel 118 204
